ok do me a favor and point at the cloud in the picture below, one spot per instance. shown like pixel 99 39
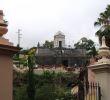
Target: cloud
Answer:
pixel 41 19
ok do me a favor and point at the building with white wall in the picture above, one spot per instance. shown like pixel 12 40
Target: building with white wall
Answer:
pixel 59 40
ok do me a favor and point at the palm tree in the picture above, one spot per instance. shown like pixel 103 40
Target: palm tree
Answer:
pixel 104 22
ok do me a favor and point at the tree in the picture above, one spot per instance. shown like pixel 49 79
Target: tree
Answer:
pixel 104 23
pixel 31 76
pixel 86 44
pixel 38 44
pixel 48 44
pixel 49 86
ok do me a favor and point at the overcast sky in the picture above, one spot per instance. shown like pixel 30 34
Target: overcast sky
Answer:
pixel 39 20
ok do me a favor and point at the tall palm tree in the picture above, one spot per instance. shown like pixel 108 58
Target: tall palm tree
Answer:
pixel 104 22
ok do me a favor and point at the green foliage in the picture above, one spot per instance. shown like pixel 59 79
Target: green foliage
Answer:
pixel 21 61
pixel 31 79
pixel 19 84
pixel 48 44
pixel 32 52
pixel 20 93
pixel 88 45
pixel 48 86
pixel 104 23
pixel 52 86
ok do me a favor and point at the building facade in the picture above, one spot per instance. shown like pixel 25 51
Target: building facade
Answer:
pixel 59 40
pixel 60 55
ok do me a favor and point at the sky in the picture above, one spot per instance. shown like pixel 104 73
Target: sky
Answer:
pixel 39 20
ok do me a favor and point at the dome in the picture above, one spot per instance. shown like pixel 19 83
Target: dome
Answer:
pixel 59 33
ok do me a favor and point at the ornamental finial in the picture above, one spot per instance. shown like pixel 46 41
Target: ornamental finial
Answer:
pixel 103 42
pixel 3 24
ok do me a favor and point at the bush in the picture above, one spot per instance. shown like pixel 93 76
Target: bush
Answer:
pixel 48 86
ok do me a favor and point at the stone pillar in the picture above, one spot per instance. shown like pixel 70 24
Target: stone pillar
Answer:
pixel 102 70
pixel 7 50
pixel 102 73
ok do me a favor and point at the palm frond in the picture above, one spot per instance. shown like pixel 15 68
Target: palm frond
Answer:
pixel 98 33
pixel 108 8
pixel 97 24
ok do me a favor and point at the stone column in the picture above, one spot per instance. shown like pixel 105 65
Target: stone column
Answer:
pixel 7 50
pixel 102 70
pixel 102 73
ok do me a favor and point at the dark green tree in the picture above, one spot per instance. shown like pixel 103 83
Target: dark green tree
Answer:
pixel 86 44
pixel 31 77
pixel 104 23
pixel 38 44
pixel 50 86
pixel 48 44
